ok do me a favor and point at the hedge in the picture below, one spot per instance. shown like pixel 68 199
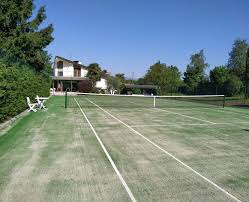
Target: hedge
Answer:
pixel 17 83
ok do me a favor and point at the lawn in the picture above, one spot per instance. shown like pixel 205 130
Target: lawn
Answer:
pixel 161 154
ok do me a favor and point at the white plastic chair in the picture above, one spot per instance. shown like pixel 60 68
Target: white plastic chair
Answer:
pixel 32 106
pixel 40 102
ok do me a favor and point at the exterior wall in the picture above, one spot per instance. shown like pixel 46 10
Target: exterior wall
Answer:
pixel 68 69
pixel 83 72
pixel 102 84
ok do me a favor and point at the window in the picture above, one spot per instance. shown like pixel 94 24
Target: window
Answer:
pixel 60 73
pixel 60 65
pixel 77 72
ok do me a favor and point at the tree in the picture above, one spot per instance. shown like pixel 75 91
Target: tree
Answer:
pixel 195 71
pixel 104 74
pixel 246 79
pixel 165 77
pixel 218 77
pixel 113 84
pixel 173 77
pixel 237 58
pixel 20 36
pixel 140 81
pixel 121 77
pixel 94 73
pixel 233 85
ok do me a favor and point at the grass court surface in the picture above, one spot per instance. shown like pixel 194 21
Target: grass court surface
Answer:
pixel 99 150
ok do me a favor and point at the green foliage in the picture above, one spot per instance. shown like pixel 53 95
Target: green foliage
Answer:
pixel 165 77
pixel 237 58
pixel 94 72
pixel 246 77
pixel 218 77
pixel 195 71
pixel 136 91
pixel 113 83
pixel 140 81
pixel 16 84
pixel 233 86
pixel 20 36
pixel 121 77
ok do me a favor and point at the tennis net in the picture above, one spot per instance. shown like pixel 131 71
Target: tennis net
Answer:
pixel 144 101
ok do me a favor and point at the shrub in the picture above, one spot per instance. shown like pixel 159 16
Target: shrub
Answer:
pixel 17 83
pixel 85 86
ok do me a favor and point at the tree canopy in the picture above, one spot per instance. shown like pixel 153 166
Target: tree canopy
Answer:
pixel 114 84
pixel 195 71
pixel 120 76
pixel 94 72
pixel 20 35
pixel 246 79
pixel 237 58
pixel 218 77
pixel 163 76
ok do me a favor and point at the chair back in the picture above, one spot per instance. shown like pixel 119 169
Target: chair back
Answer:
pixel 28 101
pixel 38 100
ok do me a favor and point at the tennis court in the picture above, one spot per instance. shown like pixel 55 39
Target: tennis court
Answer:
pixel 103 148
pixel 186 151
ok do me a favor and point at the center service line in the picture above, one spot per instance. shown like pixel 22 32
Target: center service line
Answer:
pixel 108 156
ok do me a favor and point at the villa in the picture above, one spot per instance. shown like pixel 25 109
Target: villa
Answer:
pixel 67 74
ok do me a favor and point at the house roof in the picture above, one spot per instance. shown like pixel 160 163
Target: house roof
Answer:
pixel 70 61
pixel 140 86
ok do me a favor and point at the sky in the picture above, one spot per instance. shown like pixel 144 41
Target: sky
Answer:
pixel 128 36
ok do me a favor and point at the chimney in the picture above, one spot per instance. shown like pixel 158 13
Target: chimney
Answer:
pixel 78 62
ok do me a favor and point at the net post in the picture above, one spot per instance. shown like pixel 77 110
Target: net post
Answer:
pixel 154 100
pixel 224 100
pixel 66 99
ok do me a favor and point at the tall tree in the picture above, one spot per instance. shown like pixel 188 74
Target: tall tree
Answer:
pixel 113 84
pixel 237 58
pixel 218 77
pixel 195 71
pixel 20 35
pixel 246 79
pixel 94 73
pixel 165 77
pixel 174 78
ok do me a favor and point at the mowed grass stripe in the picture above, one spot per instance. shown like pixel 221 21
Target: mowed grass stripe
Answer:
pixel 108 156
pixel 169 154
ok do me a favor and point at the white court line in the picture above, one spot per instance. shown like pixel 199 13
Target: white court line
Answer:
pixel 187 124
pixel 180 124
pixel 175 125
pixel 171 155
pixel 182 115
pixel 190 117
pixel 108 156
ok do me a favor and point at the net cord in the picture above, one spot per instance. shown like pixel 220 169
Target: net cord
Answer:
pixel 152 96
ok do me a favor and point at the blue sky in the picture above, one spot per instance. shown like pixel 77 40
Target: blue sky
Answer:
pixel 126 36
